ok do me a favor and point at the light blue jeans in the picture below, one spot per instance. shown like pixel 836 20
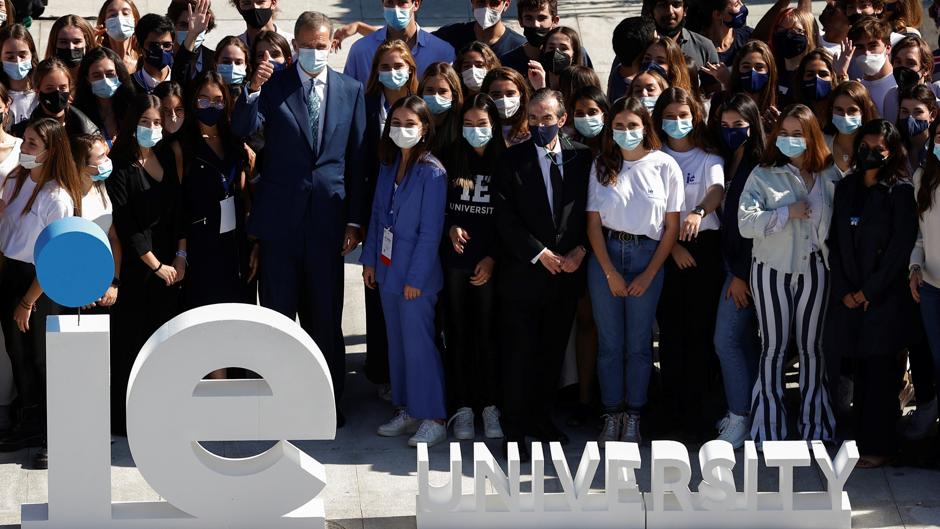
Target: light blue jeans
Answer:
pixel 624 326
pixel 738 348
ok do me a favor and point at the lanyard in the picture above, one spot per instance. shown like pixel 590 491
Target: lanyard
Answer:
pixel 226 180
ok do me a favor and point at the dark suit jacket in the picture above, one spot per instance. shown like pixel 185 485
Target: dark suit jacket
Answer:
pixel 524 218
pixel 76 122
pixel 871 256
pixel 294 177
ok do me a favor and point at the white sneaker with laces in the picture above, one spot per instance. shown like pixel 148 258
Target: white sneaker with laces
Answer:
pixel 735 430
pixel 611 430
pixel 630 431
pixel 400 424
pixel 491 427
pixel 917 423
pixel 430 432
pixel 463 424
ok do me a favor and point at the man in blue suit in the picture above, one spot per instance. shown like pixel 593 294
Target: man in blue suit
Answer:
pixel 309 203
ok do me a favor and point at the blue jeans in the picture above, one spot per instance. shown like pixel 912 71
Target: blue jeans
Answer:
pixel 624 326
pixel 930 313
pixel 738 348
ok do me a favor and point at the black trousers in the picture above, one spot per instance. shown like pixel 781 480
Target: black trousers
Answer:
pixel 686 316
pixel 27 350
pixel 376 365
pixel 472 363
pixel 875 403
pixel 534 338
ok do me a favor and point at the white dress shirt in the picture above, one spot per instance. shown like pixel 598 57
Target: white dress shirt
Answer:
pixel 544 164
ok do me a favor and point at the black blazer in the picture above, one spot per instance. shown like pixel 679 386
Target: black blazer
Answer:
pixel 76 122
pixel 873 257
pixel 524 218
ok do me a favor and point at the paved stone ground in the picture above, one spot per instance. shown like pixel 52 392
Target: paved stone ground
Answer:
pixel 371 480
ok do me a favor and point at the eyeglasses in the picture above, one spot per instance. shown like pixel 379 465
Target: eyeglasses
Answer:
pixel 204 103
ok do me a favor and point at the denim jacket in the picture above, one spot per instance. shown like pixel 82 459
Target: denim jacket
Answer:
pixel 785 248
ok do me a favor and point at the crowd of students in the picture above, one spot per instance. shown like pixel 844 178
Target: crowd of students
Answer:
pixel 754 201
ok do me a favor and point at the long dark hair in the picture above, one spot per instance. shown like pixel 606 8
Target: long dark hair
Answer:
pixel 86 101
pixel 922 94
pixel 610 159
pixel 459 169
pixel 768 95
pixel 126 151
pixel 448 132
pixel 82 145
pixel 389 152
pixel 18 32
pixel 595 94
pixel 895 167
pixel 678 95
pixel 756 142
pixel 817 155
pixel 190 133
pixel 929 176
pixel 59 166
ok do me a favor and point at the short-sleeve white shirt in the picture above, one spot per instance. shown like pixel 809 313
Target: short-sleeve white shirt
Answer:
pixel 700 171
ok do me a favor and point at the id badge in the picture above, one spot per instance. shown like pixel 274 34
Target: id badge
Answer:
pixel 227 219
pixel 387 238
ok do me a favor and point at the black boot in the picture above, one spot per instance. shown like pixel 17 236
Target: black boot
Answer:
pixel 41 459
pixel 28 431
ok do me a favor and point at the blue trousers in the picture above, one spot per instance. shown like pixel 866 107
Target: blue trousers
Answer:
pixel 624 326
pixel 930 313
pixel 738 348
pixel 415 366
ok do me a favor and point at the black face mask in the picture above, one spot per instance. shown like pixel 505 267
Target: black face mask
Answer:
pixel 54 102
pixel 671 32
pixel 554 61
pixel 905 77
pixel 535 36
pixel 72 57
pixel 257 18
pixel 789 43
pixel 867 159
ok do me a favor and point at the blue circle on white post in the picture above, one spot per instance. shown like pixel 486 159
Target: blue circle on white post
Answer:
pixel 74 263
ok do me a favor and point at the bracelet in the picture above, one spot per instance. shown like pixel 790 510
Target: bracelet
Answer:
pixel 914 270
pixel 181 253
pixel 157 269
pixel 27 306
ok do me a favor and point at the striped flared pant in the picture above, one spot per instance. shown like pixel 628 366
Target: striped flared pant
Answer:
pixel 791 305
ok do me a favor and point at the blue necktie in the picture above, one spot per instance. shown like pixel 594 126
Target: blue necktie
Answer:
pixel 313 113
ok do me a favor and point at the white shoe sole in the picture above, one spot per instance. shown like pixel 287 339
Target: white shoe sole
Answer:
pixel 464 436
pixel 414 444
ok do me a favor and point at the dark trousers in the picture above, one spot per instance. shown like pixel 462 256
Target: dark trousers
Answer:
pixel 534 338
pixel 875 403
pixel 303 276
pixel 376 366
pixel 27 350
pixel 472 368
pixel 686 316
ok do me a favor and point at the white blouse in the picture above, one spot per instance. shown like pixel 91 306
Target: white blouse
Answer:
pixel 18 230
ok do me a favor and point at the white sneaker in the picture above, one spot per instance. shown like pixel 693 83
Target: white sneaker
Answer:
pixel 400 424
pixel 463 424
pixel 611 430
pixel 735 430
pixel 491 427
pixel 917 423
pixel 720 425
pixel 384 392
pixel 630 431
pixel 430 432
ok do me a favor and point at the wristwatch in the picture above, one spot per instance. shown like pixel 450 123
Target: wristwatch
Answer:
pixel 698 210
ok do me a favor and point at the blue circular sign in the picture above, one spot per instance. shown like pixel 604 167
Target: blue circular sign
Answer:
pixel 74 263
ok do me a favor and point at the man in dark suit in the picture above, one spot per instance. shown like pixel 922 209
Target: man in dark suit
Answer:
pixel 540 204
pixel 310 202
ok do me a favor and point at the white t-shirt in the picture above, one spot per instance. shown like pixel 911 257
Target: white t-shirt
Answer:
pixel 18 231
pixel 645 191
pixel 96 207
pixel 12 160
pixel 23 105
pixel 878 89
pixel 700 171
pixel 834 48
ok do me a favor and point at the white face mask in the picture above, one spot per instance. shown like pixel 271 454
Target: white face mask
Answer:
pixel 871 63
pixel 28 161
pixel 507 106
pixel 487 17
pixel 473 77
pixel 405 138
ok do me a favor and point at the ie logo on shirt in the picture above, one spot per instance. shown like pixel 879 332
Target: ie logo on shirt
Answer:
pixel 689 178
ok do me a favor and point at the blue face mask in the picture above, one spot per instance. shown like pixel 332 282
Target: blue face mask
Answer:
pixel 477 137
pixel 816 89
pixel 734 137
pixel 738 20
pixel 182 34
pixel 916 126
pixel 677 128
pixel 232 73
pixel 394 79
pixel 148 137
pixel 847 124
pixel 754 81
pixel 628 139
pixel 650 66
pixel 397 18
pixel 936 151
pixel 105 88
pixel 278 66
pixel 543 135
pixel 589 126
pixel 104 170
pixel 312 60
pixel 17 70
pixel 438 104
pixel 791 146
pixel 649 102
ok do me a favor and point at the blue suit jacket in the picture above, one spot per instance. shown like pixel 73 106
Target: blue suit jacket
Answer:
pixel 417 218
pixel 293 178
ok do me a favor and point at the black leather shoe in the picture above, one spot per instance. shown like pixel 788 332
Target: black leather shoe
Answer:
pixel 22 436
pixel 549 433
